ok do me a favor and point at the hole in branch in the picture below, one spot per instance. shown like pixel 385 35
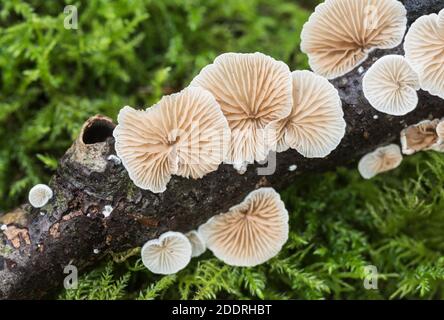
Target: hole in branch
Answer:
pixel 98 131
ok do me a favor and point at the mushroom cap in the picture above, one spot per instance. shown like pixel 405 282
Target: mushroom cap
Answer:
pixel 419 137
pixel 423 47
pixel 39 195
pixel 341 33
pixel 184 134
pixel 316 124
pixel 249 233
pixel 253 90
pixel 197 243
pixel 381 160
pixel 168 254
pixel 390 86
pixel 441 19
pixel 440 130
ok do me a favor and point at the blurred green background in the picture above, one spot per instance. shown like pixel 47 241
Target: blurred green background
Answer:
pixel 129 52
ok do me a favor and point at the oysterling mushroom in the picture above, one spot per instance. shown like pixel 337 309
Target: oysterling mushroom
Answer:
pixel 381 160
pixel 168 254
pixel 340 34
pixel 424 49
pixel 249 233
pixel 197 243
pixel 184 134
pixel 390 85
pixel 419 137
pixel 316 124
pixel 39 195
pixel 253 90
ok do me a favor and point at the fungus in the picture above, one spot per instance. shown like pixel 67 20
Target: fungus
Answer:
pixel 441 19
pixel 419 137
pixel 340 34
pixel 107 211
pixel 381 160
pixel 316 125
pixel 184 134
pixel 4 227
pixel 440 132
pixel 249 233
pixel 115 159
pixel 197 243
pixel 390 86
pixel 292 168
pixel 253 90
pixel 168 254
pixel 423 47
pixel 96 251
pixel 39 195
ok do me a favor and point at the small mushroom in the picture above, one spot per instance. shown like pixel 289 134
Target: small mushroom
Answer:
pixel 184 134
pixel 419 137
pixel 316 124
pixel 381 160
pixel 168 254
pixel 440 132
pixel 197 243
pixel 249 233
pixel 423 47
pixel 390 86
pixel 253 90
pixel 39 195
pixel 340 34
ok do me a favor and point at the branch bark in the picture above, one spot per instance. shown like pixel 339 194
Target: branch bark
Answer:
pixel 38 244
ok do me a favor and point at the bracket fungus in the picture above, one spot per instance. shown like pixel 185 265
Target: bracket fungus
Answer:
pixel 340 34
pixel 168 254
pixel 419 137
pixel 253 90
pixel 197 243
pixel 250 233
pixel 184 134
pixel 381 160
pixel 424 49
pixel 391 85
pixel 39 195
pixel 316 124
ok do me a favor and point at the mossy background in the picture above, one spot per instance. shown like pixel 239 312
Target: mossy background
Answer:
pixel 131 52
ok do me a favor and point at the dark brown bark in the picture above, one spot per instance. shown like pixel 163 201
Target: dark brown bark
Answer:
pixel 35 248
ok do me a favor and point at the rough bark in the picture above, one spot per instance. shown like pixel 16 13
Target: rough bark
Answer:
pixel 38 244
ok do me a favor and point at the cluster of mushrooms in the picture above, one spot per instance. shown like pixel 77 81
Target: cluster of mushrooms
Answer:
pixel 245 105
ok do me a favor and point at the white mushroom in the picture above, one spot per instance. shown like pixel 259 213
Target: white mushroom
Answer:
pixel 197 243
pixel 390 86
pixel 168 254
pixel 423 47
pixel 184 134
pixel 39 195
pixel 419 137
pixel 441 19
pixel 381 160
pixel 440 132
pixel 253 90
pixel 249 233
pixel 107 211
pixel 341 33
pixel 316 125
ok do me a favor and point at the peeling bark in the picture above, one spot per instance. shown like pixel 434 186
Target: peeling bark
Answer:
pixel 71 228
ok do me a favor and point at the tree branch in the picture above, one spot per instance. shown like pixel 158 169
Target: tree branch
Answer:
pixel 37 246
